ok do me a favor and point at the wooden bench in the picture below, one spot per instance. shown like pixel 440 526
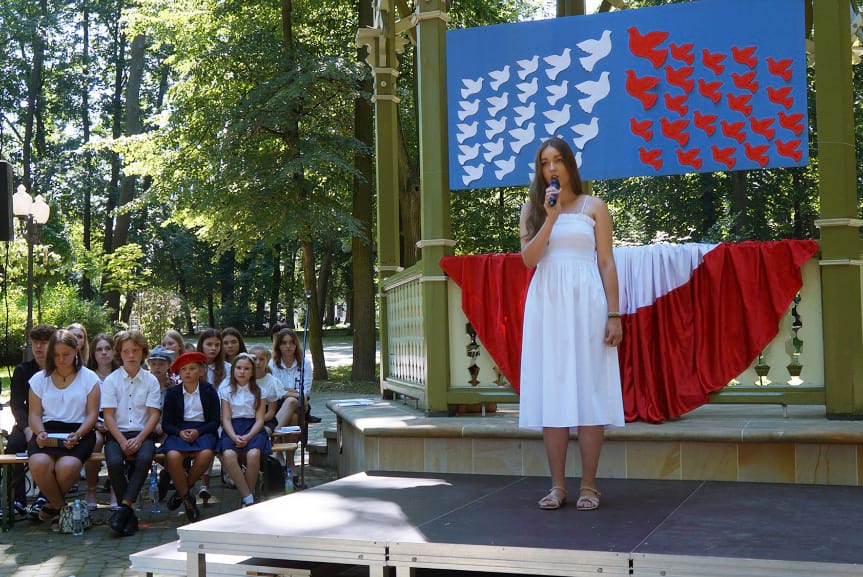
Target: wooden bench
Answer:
pixel 8 461
pixel 166 559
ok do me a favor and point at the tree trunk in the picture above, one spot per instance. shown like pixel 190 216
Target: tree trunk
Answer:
pixel 291 140
pixel 325 279
pixel 34 89
pixel 738 201
pixel 226 267
pixel 315 342
pixel 183 287
pixel 361 308
pixel 291 275
pixel 276 285
pixel 126 312
pixel 86 285
pixel 116 132
pixel 134 126
pixel 708 202
pixel 211 309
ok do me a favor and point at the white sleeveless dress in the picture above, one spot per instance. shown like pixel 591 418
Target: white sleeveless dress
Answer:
pixel 569 376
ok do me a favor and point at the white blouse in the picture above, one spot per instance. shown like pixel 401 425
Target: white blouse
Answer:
pixel 290 377
pixel 271 388
pixel 242 402
pixel 67 405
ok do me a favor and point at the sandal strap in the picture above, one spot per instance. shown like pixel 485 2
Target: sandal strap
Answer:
pixel 591 490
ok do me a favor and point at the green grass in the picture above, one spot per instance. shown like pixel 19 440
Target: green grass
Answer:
pixel 340 381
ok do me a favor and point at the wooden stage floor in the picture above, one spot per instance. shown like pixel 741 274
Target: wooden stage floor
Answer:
pixel 450 524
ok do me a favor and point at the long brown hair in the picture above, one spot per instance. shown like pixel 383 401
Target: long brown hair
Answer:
pixel 219 361
pixel 92 364
pixel 277 350
pixel 537 215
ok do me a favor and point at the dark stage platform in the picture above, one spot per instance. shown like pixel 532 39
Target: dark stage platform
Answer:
pixel 403 522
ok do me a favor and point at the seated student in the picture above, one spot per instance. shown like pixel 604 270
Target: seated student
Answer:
pixel 131 406
pixel 19 401
pixel 285 366
pixel 232 343
pixel 64 400
pixel 190 417
pixel 271 392
pixel 243 434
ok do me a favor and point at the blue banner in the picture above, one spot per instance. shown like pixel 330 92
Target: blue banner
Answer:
pixel 705 86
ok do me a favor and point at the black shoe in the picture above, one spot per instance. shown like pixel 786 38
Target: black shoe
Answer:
pixel 164 483
pixel 191 508
pixel 175 501
pixel 120 518
pixel 131 525
pixel 312 419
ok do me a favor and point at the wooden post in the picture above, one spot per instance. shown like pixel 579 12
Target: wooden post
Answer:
pixel 841 285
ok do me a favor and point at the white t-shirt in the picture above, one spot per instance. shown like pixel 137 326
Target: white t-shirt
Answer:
pixel 67 405
pixel 131 396
pixel 242 402
pixel 271 388
pixel 290 376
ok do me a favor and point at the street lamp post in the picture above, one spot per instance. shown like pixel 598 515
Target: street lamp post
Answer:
pixel 33 214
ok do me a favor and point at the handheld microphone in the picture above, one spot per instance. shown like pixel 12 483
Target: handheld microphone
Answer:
pixel 555 184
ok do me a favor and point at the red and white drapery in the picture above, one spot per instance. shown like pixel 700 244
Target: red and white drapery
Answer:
pixel 694 315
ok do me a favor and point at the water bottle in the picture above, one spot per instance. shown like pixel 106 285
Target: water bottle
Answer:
pixel 77 518
pixel 154 491
pixel 289 480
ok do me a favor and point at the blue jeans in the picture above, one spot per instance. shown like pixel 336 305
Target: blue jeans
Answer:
pixel 128 489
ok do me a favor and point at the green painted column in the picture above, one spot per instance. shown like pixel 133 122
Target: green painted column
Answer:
pixel 431 17
pixel 841 285
pixel 381 40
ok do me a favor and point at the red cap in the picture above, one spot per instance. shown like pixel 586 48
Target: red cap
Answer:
pixel 187 359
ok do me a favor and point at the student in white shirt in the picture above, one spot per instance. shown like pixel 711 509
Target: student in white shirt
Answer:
pixel 131 405
pixel 285 366
pixel 63 400
pixel 243 434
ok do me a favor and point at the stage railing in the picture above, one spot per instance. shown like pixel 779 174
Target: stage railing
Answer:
pixel 406 346
pixel 790 370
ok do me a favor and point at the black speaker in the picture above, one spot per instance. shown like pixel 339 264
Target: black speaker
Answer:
pixel 7 230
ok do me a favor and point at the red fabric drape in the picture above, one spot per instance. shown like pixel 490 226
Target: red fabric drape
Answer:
pixel 493 288
pixel 690 342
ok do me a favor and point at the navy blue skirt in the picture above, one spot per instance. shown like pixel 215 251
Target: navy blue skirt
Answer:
pixel 241 427
pixel 205 442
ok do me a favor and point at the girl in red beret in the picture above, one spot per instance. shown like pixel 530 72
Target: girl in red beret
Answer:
pixel 190 418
